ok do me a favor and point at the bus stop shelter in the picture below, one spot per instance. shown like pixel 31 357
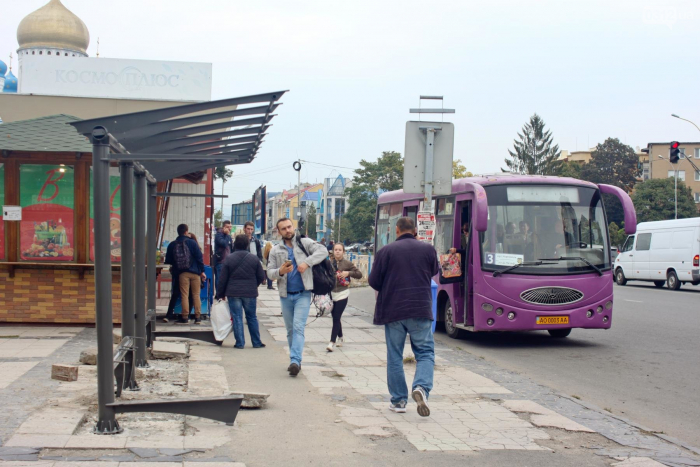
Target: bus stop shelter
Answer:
pixel 151 147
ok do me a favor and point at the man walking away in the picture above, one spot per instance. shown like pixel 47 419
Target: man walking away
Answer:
pixel 401 273
pixel 222 247
pixel 254 244
pixel 293 271
pixel 184 254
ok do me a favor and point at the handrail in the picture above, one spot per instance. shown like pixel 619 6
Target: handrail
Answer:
pixel 627 206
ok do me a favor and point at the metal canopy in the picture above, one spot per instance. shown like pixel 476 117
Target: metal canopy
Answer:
pixel 193 130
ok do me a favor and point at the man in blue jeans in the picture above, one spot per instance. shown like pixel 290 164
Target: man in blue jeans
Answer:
pixel 401 273
pixel 291 267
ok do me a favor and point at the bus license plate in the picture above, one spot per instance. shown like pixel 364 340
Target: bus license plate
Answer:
pixel 552 320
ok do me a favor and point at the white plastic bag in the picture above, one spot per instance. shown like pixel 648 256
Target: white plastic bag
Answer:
pixel 221 320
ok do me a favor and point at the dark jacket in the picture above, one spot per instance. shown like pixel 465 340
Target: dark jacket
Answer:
pixel 342 266
pixel 257 247
pixel 223 245
pixel 197 264
pixel 241 274
pixel 401 273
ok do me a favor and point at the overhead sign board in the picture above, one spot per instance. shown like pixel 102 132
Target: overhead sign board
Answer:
pixel 414 157
pixel 114 78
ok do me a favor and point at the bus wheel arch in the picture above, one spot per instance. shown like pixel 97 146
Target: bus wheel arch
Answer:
pixel 450 329
pixel 672 281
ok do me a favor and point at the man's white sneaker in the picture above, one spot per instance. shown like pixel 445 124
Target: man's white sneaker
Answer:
pixel 330 347
pixel 399 407
pixel 339 342
pixel 421 399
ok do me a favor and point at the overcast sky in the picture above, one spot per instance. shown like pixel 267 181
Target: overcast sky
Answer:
pixel 591 69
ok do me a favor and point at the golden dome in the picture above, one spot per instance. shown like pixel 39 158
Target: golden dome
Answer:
pixel 53 26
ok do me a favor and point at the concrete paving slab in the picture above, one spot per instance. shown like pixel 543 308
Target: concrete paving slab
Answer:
pixel 166 350
pixel 559 421
pixel 38 441
pixel 96 442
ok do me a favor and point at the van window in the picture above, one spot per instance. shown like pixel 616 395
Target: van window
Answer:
pixel 643 242
pixel 628 244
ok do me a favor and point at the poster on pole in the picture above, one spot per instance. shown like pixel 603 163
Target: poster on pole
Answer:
pixel 426 227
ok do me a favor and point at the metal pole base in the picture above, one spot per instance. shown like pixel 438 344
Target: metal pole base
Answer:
pixel 132 386
pixel 107 427
pixel 222 408
pixel 142 364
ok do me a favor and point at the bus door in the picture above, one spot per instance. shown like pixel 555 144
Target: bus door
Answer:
pixel 462 242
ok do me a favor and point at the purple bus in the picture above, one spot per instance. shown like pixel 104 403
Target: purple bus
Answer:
pixel 536 252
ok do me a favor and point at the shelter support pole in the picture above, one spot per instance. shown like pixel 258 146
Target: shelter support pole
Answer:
pixel 106 420
pixel 151 257
pixel 126 170
pixel 140 270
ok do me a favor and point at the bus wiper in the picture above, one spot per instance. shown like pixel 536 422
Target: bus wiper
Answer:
pixel 533 263
pixel 575 258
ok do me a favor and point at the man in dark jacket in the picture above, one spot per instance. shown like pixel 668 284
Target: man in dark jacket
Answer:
pixel 402 273
pixel 190 278
pixel 253 243
pixel 240 277
pixel 223 245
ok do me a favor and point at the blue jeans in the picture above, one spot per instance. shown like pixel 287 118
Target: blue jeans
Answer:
pixel 295 311
pixel 217 274
pixel 236 305
pixel 420 331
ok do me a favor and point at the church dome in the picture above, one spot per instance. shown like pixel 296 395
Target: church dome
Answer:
pixel 53 26
pixel 3 68
pixel 10 83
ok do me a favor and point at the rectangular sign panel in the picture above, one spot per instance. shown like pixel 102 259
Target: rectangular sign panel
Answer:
pixel 114 78
pixel 414 158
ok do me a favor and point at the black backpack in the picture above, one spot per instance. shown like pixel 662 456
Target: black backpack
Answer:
pixel 183 257
pixel 323 272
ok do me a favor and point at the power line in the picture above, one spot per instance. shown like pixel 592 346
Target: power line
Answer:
pixel 329 165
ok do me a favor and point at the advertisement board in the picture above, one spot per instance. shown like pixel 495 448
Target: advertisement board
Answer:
pixel 115 78
pixel 259 209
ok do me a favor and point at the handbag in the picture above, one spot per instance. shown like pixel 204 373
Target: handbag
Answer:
pixel 323 274
pixel 450 268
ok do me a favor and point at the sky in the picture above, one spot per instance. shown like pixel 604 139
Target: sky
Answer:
pixel 591 69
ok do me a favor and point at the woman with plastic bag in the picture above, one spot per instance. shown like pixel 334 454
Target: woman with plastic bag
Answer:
pixel 344 271
pixel 241 274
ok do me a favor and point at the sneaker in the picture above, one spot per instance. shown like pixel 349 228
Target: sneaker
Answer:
pixel 294 369
pixel 339 342
pixel 421 399
pixel 399 407
pixel 198 321
pixel 182 321
pixel 166 320
pixel 330 347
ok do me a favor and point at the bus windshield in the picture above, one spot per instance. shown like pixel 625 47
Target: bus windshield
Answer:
pixel 531 223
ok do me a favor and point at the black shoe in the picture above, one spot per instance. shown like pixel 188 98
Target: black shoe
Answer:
pixel 260 346
pixel 294 369
pixel 182 321
pixel 197 321
pixel 270 288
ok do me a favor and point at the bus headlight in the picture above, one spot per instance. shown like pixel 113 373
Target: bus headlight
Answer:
pixel 511 316
pixel 589 314
pixel 486 306
pixel 490 321
pixel 499 311
pixel 608 305
pixel 600 309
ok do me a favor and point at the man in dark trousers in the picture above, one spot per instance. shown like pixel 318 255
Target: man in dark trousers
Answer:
pixel 402 273
pixel 223 245
pixel 186 258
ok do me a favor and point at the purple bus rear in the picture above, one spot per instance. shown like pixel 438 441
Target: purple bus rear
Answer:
pixel 555 296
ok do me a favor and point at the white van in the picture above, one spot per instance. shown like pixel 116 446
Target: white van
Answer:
pixel 662 252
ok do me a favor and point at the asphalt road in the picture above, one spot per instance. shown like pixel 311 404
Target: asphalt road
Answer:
pixel 645 368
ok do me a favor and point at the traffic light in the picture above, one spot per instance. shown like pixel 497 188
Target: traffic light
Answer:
pixel 675 152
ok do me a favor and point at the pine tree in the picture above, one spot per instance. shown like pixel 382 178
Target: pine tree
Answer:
pixel 534 153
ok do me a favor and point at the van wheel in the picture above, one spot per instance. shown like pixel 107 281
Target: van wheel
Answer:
pixel 672 281
pixel 559 333
pixel 620 277
pixel 450 328
pixel 659 284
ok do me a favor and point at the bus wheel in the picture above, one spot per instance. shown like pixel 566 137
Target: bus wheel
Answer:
pixel 672 280
pixel 450 328
pixel 659 284
pixel 620 277
pixel 559 333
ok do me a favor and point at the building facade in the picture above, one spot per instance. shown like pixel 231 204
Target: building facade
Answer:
pixel 661 167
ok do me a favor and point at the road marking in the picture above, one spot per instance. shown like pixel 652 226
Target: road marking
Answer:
pixel 635 301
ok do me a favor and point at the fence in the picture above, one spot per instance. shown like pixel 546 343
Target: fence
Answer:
pixel 364 264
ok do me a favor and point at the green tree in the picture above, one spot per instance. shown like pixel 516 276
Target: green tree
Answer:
pixel 311 222
pixel 570 169
pixel 386 174
pixel 617 234
pixel 218 218
pixel 534 153
pixel 341 230
pixel 222 173
pixel 654 200
pixel 459 170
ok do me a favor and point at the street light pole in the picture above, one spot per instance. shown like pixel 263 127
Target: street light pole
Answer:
pixel 675 186
pixel 685 119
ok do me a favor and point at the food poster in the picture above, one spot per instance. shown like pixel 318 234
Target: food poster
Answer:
pixel 47 200
pixel 2 203
pixel 115 244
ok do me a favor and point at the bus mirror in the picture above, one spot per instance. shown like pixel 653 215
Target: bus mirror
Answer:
pixel 627 206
